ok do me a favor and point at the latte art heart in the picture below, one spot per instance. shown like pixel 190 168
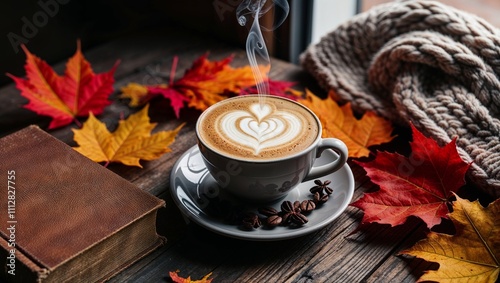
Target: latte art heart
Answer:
pixel 261 127
pixel 257 128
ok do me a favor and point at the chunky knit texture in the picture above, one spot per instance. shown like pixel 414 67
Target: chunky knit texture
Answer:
pixel 425 63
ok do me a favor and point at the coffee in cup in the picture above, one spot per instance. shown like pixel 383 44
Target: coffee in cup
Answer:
pixel 258 128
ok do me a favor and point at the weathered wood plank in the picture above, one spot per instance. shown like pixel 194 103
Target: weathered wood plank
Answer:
pixel 401 268
pixel 324 256
pixel 236 260
pixel 333 256
pixel 327 255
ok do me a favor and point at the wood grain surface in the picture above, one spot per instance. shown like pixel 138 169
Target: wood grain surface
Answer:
pixel 332 254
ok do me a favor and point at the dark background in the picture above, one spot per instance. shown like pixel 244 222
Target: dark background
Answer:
pixel 50 28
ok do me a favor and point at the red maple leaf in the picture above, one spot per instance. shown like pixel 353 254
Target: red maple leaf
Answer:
pixel 177 99
pixel 178 279
pixel 75 94
pixel 420 185
pixel 202 85
pixel 278 88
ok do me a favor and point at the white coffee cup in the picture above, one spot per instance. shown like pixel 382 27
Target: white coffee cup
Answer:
pixel 257 178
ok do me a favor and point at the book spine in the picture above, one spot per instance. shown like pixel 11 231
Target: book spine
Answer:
pixel 17 267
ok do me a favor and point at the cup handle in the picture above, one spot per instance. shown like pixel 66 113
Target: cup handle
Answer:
pixel 328 143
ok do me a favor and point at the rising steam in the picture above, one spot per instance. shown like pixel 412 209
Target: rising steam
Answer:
pixel 256 49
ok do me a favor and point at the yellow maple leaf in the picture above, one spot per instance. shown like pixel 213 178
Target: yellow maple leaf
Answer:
pixel 177 279
pixel 129 143
pixel 135 92
pixel 340 122
pixel 472 254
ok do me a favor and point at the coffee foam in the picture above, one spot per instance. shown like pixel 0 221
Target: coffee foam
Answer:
pixel 249 129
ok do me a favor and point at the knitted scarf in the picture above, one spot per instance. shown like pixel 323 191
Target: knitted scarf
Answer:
pixel 425 63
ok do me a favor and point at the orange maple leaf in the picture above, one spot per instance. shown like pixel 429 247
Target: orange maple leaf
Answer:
pixel 340 122
pixel 207 81
pixel 75 94
pixel 204 84
pixel 472 254
pixel 131 141
pixel 177 279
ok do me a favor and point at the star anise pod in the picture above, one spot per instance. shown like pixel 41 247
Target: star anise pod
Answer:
pixel 251 220
pixel 321 187
pixel 319 199
pixel 274 220
pixel 273 217
pixel 292 213
pixel 298 218
pixel 307 205
pixel 267 211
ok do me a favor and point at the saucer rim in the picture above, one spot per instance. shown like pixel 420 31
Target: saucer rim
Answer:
pixel 233 232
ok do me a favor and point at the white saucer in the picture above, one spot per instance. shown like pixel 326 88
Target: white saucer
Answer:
pixel 193 188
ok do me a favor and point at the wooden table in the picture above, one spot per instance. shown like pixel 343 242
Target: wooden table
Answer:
pixel 331 254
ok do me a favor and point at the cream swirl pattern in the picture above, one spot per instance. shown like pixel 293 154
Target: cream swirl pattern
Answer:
pixel 262 126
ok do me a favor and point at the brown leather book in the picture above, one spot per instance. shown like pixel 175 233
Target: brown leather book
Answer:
pixel 65 218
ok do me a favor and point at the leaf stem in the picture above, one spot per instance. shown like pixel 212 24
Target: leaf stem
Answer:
pixel 480 236
pixel 77 123
pixel 106 164
pixel 173 69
